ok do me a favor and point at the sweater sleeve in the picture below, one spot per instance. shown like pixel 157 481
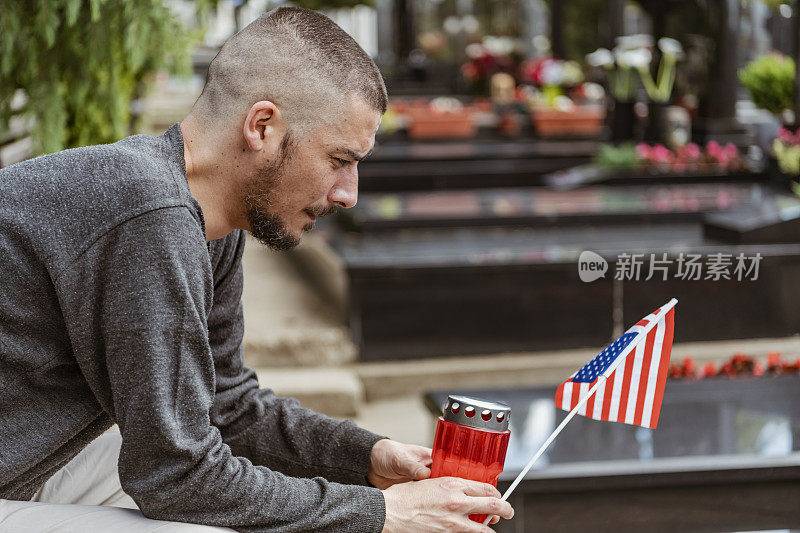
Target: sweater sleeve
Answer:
pixel 136 306
pixel 269 430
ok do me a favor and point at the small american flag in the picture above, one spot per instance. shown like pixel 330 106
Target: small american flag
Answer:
pixel 635 369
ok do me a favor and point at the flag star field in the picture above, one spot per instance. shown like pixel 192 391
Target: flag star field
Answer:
pixel 599 364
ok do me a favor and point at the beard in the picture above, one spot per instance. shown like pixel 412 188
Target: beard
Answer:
pixel 265 226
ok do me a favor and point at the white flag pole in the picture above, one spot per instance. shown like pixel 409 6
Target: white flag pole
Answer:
pixel 642 334
pixel 549 441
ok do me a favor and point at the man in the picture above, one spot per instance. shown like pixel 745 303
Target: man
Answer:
pixel 120 303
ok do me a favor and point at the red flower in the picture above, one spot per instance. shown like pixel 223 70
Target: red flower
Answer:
pixel 660 154
pixel 643 151
pixel 469 71
pixel 713 148
pixel 787 137
pixel 692 151
pixel 532 69
pixel 773 359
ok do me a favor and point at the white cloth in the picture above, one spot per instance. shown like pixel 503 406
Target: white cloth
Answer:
pixel 86 496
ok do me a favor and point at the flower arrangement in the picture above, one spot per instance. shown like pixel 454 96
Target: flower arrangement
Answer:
pixel 688 158
pixel 633 56
pixel 486 58
pixel 550 72
pixel 660 89
pixel 738 365
pixel 549 79
pixel 691 157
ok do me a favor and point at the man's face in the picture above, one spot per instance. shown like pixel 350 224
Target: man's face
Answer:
pixel 312 177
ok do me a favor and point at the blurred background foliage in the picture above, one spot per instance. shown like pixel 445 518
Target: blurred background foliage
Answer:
pixel 80 63
pixel 585 31
pixel 770 81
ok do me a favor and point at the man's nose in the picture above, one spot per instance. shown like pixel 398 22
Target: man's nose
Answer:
pixel 344 192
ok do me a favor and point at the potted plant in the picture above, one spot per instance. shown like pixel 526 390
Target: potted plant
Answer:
pixel 443 118
pixel 553 113
pixel 770 81
pixel 564 119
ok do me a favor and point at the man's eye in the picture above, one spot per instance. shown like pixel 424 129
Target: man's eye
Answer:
pixel 341 162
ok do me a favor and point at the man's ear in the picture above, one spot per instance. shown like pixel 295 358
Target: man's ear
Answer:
pixel 261 125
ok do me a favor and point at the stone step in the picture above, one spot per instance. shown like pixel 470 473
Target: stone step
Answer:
pixel 332 391
pixel 287 321
pixel 386 380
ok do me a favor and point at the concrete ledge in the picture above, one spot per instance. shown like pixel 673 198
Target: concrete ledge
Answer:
pixel 308 348
pixel 331 391
pixel 395 379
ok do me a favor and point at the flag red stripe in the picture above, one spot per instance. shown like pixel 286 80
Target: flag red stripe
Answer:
pixel 643 322
pixel 643 376
pixel 663 369
pixel 626 385
pixel 576 393
pixel 560 396
pixel 607 393
pixel 590 401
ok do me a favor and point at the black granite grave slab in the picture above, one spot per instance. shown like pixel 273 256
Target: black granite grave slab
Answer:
pixel 471 291
pixel 407 166
pixel 755 225
pixel 664 203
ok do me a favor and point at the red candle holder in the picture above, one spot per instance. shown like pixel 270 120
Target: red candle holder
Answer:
pixel 471 441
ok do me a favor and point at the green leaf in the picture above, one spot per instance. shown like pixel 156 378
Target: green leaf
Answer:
pixel 72 9
pixel 94 9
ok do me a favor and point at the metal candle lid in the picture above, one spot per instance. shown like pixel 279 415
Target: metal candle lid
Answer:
pixel 477 413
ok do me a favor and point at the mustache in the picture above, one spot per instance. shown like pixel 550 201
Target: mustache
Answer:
pixel 324 212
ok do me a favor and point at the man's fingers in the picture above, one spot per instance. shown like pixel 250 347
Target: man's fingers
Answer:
pixel 495 519
pixel 426 455
pixel 422 472
pixel 490 506
pixel 420 461
pixel 476 488
pixel 422 451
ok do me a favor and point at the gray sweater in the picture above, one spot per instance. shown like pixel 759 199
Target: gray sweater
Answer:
pixel 114 309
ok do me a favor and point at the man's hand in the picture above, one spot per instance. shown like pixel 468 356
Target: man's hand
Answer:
pixel 442 504
pixel 392 462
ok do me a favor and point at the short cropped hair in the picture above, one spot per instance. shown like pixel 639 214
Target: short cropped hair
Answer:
pixel 296 58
